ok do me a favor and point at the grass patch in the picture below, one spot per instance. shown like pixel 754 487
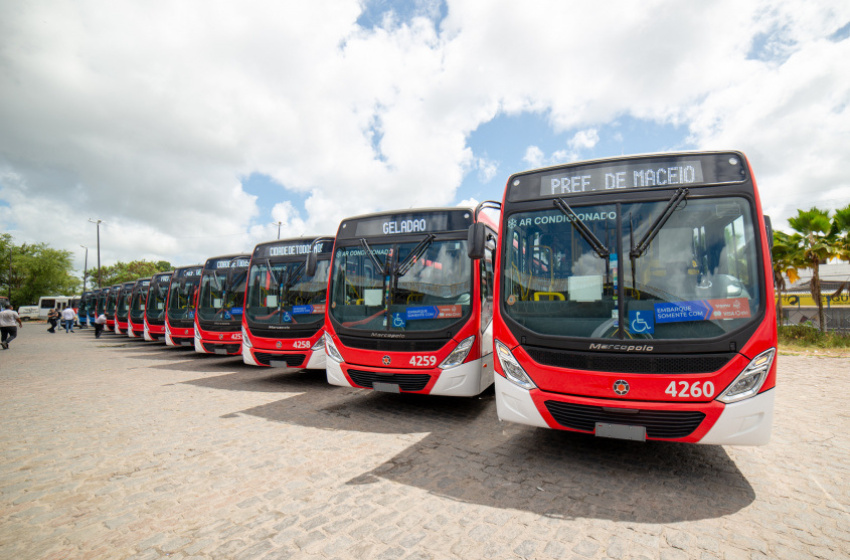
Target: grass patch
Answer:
pixel 805 336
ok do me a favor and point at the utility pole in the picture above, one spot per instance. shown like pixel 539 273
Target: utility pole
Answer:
pixel 278 228
pixel 98 222
pixel 85 267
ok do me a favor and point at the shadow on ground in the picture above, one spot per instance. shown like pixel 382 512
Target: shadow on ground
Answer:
pixel 471 457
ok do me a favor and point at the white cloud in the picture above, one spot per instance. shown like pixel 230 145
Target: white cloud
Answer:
pixel 533 156
pixel 147 115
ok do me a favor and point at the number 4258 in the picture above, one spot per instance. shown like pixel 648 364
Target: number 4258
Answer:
pixel 695 390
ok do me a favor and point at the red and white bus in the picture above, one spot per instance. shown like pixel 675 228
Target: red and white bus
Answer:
pixel 634 300
pixel 138 300
pixel 409 311
pixel 221 296
pixel 284 306
pixel 154 317
pixel 181 305
pixel 111 303
pixel 122 307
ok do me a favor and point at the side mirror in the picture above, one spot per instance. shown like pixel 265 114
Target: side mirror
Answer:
pixel 312 263
pixel 475 241
pixel 769 230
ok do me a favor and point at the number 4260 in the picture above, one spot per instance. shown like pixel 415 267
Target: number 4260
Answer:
pixel 695 390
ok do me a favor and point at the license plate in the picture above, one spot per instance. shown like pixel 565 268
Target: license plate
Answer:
pixel 386 387
pixel 221 351
pixel 621 431
pixel 277 363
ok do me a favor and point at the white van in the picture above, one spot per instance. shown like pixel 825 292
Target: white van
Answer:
pixel 28 312
pixel 46 303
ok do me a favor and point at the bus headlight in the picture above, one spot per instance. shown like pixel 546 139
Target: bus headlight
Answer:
pixel 320 344
pixel 513 371
pixel 459 354
pixel 749 382
pixel 246 340
pixel 331 351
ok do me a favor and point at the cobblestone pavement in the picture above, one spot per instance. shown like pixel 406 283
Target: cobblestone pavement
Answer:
pixel 115 448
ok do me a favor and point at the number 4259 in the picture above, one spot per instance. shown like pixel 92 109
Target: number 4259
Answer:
pixel 695 390
pixel 423 361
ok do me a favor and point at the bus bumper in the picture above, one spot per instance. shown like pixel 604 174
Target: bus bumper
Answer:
pixel 466 380
pixel 747 422
pixel 514 404
pixel 313 360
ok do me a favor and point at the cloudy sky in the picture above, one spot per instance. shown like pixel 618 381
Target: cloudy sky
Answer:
pixel 192 128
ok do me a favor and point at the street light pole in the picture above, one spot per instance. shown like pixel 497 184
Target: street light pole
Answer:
pixel 98 222
pixel 85 267
pixel 278 228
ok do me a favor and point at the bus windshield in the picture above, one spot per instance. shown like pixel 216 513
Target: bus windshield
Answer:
pixel 139 299
pixel 282 293
pixel 222 294
pixel 122 308
pixel 385 287
pixel 693 274
pixel 157 296
pixel 181 298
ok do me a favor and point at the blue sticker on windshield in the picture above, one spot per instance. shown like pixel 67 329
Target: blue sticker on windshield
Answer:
pixel 398 320
pixel 302 309
pixel 680 311
pixel 641 322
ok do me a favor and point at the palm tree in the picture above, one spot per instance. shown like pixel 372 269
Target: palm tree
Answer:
pixel 787 259
pixel 841 232
pixel 816 243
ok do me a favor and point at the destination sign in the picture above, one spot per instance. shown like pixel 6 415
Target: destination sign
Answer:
pixel 291 249
pixel 630 176
pixel 668 171
pixel 406 223
pixel 189 272
pixel 227 262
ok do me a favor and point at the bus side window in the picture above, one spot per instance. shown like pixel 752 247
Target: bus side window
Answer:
pixel 487 287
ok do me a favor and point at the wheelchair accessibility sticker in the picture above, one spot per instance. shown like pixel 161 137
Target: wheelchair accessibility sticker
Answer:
pixel 641 322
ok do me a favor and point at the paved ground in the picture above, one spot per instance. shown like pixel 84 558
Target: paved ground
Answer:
pixel 115 448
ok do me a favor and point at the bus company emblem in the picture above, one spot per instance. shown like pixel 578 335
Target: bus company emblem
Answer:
pixel 221 337
pixel 386 360
pixel 278 344
pixel 621 387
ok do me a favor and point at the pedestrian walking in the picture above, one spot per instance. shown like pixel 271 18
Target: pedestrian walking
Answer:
pixel 53 319
pixel 9 323
pixel 99 322
pixel 68 317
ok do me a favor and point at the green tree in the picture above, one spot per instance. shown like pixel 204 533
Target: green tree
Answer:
pixel 125 272
pixel 787 260
pixel 816 241
pixel 37 270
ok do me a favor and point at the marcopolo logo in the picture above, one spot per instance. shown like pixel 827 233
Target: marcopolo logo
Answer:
pixel 622 347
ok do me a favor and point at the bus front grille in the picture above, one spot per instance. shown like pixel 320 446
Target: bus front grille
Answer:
pixel 292 360
pixel 229 348
pixel 405 382
pixel 619 363
pixel 394 345
pixel 665 424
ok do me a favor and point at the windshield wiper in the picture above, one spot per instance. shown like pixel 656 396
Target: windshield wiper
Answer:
pixel 582 228
pixel 372 255
pixel 680 195
pixel 414 255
